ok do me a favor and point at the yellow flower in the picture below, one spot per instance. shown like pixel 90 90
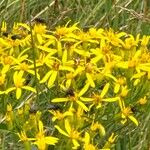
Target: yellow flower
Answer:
pixel 142 101
pixel 124 91
pixel 130 41
pixel 25 67
pixel 57 115
pixel 66 31
pixel 96 33
pixel 39 30
pixel 18 82
pixel 127 113
pixel 98 99
pixel 41 140
pixel 55 66
pixel 97 126
pixel 7 62
pixel 121 81
pixel 76 98
pixel 89 69
pixel 114 38
pixel 71 133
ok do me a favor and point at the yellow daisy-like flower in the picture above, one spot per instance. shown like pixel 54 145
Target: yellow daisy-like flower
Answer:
pixel 41 140
pixel 75 97
pixel 18 82
pixel 71 133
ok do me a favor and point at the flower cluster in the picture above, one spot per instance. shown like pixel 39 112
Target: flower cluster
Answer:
pixel 94 78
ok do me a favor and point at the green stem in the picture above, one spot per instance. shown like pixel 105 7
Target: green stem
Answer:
pixel 34 59
pixel 3 141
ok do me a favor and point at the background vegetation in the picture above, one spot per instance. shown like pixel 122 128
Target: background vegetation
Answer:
pixel 132 16
pixel 128 15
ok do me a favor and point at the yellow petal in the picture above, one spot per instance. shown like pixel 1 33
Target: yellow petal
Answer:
pixel 99 106
pixel 67 68
pixel 40 144
pixel 133 119
pixel 29 88
pixel 116 88
pixel 75 143
pixel 121 34
pixel 61 131
pixel 82 105
pixel 59 48
pixel 2 92
pixel 64 57
pixel 18 93
pixel 102 130
pixel 144 67
pixel 111 76
pixel 67 126
pixel 90 80
pixel 9 90
pixel 41 127
pixel 105 90
pixel 136 82
pixel 45 78
pixel 111 99
pixel 138 75
pixel 87 138
pixel 84 89
pixel 24 25
pixel 51 140
pixel 137 54
pixel 39 38
pixel 47 49
pixel 56 100
pixel 78 71
pixel 96 59
pixel 82 52
pixel 68 83
pixel 52 78
pixel 86 99
pixel 123 65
